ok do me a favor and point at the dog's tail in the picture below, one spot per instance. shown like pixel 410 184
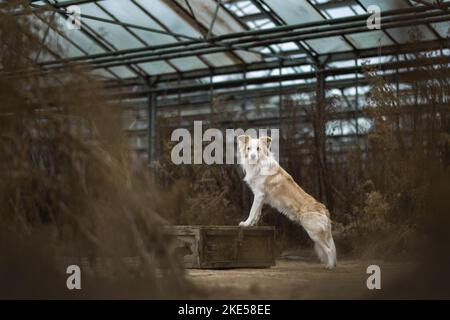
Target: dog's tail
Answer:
pixel 331 245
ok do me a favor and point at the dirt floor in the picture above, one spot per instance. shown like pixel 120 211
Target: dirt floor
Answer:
pixel 298 277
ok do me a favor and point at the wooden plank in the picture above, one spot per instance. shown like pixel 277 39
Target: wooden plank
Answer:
pixel 223 246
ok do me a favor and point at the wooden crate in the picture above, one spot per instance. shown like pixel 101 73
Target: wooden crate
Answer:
pixel 224 246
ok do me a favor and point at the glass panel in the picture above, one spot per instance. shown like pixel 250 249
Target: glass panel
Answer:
pixel 374 60
pixel 288 46
pixel 77 36
pixel 114 34
pixel 204 12
pixel 399 34
pixel 386 5
pixel 329 44
pixel 44 56
pixel 125 11
pixel 293 12
pixel 153 38
pixel 443 28
pixel 188 63
pixel 218 59
pixel 340 12
pixel 170 18
pixel 358 9
pixel 103 73
pixel 225 23
pixel 371 39
pixel 247 56
pixel 54 41
pixel 123 72
pixel 403 34
pixel 156 67
pixel 261 24
pixel 342 64
pixel 245 8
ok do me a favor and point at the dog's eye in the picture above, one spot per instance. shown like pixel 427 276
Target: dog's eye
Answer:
pixel 257 149
pixel 248 149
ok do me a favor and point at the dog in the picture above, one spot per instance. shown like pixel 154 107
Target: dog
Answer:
pixel 272 185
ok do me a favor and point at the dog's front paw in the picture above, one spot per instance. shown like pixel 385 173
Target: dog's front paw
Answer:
pixel 252 224
pixel 243 224
pixel 329 266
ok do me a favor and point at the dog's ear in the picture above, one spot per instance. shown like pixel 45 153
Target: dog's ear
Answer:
pixel 243 140
pixel 266 140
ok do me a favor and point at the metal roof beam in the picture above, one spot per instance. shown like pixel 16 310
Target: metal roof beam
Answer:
pixel 273 33
pixel 306 75
pixel 245 44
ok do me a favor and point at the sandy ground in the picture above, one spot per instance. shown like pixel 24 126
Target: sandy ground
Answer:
pixel 298 278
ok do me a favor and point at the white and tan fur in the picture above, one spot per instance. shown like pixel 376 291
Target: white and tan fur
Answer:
pixel 274 186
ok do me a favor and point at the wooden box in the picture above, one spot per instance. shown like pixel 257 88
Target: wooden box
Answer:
pixel 209 247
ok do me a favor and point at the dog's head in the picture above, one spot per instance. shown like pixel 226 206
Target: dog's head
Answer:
pixel 254 150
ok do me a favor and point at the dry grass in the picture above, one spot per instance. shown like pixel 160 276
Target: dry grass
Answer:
pixel 69 191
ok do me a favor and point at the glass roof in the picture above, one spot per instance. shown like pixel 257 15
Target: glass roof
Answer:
pixel 139 30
